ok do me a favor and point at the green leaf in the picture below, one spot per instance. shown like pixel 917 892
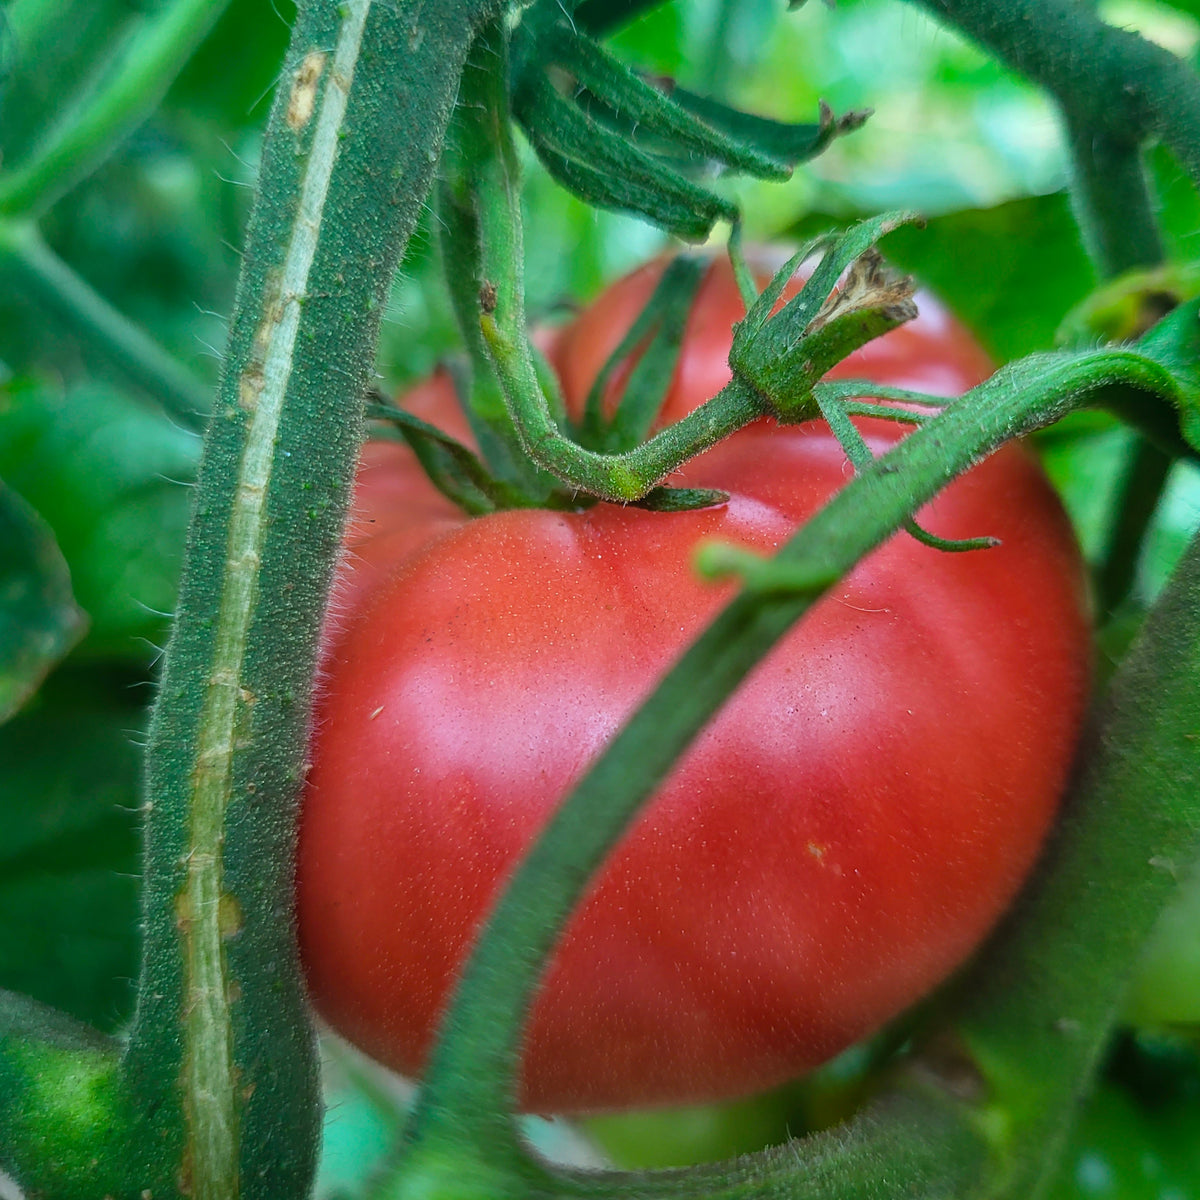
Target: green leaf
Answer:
pixel 110 477
pixel 1122 1150
pixel 791 143
pixel 69 854
pixel 39 619
pixel 659 328
pixel 1010 272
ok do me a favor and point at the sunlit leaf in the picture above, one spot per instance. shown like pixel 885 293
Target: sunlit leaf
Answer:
pixel 39 619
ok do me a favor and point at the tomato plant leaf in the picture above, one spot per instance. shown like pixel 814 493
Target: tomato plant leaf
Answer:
pixel 109 476
pixel 981 262
pixel 69 863
pixel 39 619
pixel 1175 342
pixel 662 322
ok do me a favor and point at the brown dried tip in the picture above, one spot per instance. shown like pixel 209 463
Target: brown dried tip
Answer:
pixel 825 117
pixel 855 120
pixel 869 283
pixel 487 296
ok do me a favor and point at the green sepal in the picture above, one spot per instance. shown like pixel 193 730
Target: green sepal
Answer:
pixel 660 325
pixel 39 619
pixel 617 123
pixel 783 356
pixel 607 171
pixel 776 139
pixel 452 468
pixel 669 499
pixel 637 108
pixel 847 248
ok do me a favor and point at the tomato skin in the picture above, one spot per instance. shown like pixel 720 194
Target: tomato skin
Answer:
pixel 833 845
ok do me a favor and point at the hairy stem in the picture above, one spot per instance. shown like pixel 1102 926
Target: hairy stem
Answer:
pixel 1048 989
pixel 216 1095
pixel 1107 80
pixel 1112 201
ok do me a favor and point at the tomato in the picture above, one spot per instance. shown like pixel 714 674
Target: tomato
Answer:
pixel 836 842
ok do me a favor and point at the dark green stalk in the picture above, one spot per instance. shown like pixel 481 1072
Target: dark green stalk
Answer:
pixel 471 1078
pixel 1112 201
pixel 1116 91
pixel 1133 509
pixel 1107 80
pixel 217 1094
pixel 44 277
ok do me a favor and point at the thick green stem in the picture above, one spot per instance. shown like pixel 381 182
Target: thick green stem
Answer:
pixel 88 131
pixel 218 1089
pixel 1116 91
pixel 1107 80
pixel 41 275
pixel 1112 201
pixel 1133 509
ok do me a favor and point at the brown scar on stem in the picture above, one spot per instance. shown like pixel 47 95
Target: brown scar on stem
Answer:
pixel 303 98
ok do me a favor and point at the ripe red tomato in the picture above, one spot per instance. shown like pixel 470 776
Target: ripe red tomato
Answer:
pixel 834 844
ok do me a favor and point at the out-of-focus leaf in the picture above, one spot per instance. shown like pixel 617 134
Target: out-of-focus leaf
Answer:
pixel 1166 988
pixel 231 75
pixel 110 477
pixel 69 851
pixel 39 619
pixel 1010 272
pixel 1136 1142
pixel 46 69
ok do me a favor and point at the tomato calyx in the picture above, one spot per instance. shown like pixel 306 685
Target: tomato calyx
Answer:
pixel 624 451
pixel 617 139
pixel 783 355
pixel 465 479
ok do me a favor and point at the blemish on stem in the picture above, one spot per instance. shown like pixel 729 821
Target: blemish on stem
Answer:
pixel 303 99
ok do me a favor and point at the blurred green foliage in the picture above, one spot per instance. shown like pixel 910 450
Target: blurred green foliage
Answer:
pixel 156 232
